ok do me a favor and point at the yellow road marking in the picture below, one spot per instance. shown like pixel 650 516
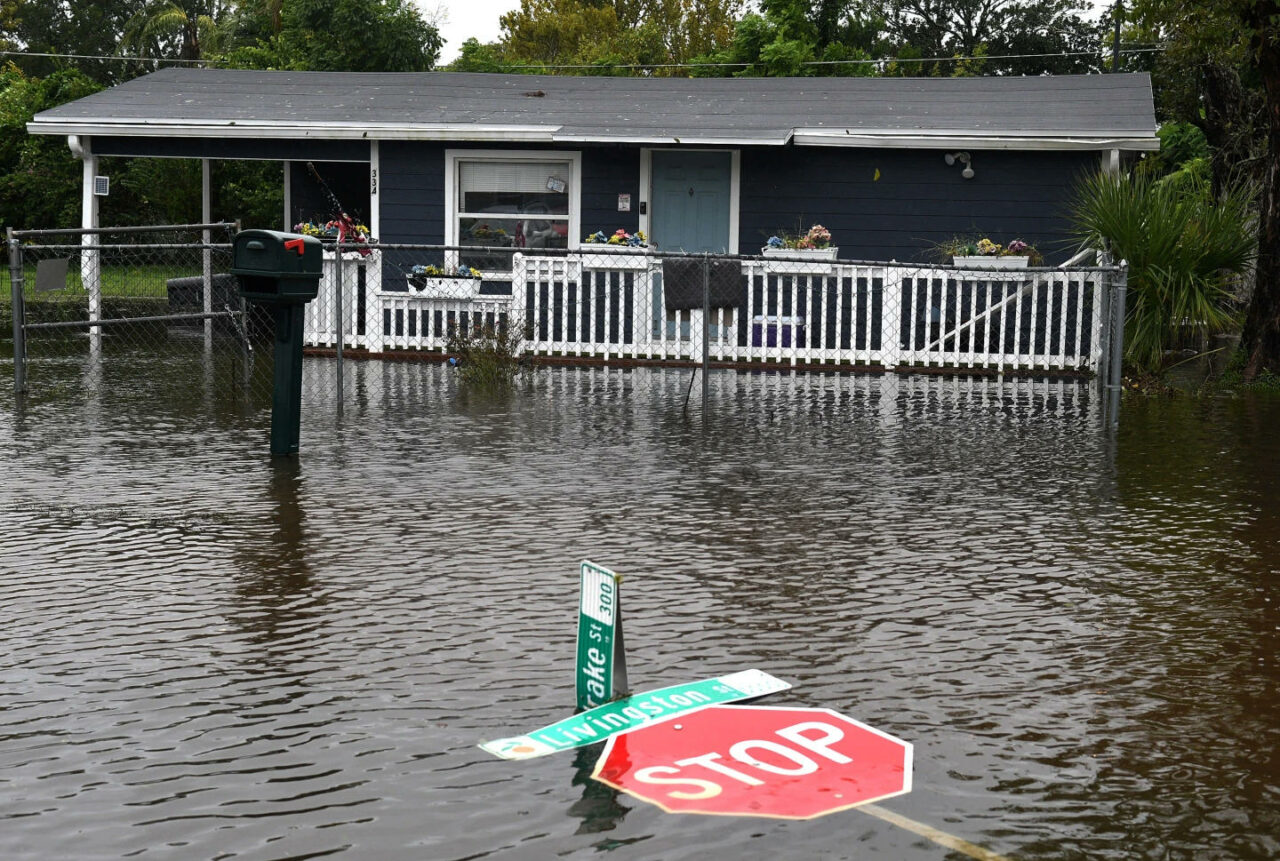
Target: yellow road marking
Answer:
pixel 942 838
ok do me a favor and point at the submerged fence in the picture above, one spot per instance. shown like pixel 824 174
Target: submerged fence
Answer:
pixel 167 291
pixel 641 306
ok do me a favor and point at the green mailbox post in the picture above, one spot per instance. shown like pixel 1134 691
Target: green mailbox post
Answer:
pixel 282 272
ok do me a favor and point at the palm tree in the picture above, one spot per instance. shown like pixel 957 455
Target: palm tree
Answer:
pixel 177 29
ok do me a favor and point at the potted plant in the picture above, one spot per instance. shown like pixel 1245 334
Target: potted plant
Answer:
pixel 436 282
pixel 985 254
pixel 815 244
pixel 342 228
pixel 626 250
pixel 619 240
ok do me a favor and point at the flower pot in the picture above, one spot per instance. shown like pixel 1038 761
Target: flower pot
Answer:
pixel 1011 261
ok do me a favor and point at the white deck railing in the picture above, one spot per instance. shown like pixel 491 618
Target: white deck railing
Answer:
pixel 790 313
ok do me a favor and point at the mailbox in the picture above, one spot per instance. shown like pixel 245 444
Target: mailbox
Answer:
pixel 281 271
pixel 276 268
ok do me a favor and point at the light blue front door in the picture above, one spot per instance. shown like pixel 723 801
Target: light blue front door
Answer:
pixel 690 200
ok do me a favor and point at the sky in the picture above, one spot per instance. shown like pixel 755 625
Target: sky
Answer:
pixel 459 20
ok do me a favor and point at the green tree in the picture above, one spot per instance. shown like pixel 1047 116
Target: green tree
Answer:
pixel 39 178
pixel 607 35
pixel 1227 55
pixel 90 28
pixel 175 29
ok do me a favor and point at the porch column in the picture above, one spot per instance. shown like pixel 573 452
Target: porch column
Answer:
pixel 90 274
pixel 206 217
pixel 288 195
pixel 375 211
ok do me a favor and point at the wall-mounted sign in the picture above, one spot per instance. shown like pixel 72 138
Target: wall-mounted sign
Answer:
pixel 624 203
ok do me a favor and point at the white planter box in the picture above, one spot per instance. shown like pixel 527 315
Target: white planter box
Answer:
pixel 802 261
pixel 982 262
pixel 444 288
pixel 831 252
pixel 601 255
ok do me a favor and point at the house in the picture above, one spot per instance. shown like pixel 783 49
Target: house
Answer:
pixel 890 166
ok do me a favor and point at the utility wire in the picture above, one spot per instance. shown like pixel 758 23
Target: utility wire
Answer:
pixel 102 57
pixel 881 61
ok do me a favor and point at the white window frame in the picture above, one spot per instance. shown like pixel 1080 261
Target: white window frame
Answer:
pixel 453 156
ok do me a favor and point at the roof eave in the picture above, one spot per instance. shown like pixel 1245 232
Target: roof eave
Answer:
pixel 975 140
pixel 290 131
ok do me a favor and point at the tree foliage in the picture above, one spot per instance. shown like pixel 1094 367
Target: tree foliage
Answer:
pixel 39 178
pixel 604 36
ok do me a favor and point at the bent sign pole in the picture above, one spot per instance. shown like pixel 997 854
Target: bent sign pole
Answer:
pixel 621 716
pixel 601 670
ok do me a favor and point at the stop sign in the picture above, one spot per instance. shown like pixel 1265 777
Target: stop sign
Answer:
pixel 788 763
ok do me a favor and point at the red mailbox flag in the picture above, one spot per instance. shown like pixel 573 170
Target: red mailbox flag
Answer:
pixel 786 763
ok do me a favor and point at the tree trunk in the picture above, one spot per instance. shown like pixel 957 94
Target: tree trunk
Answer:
pixel 1260 340
pixel 1228 124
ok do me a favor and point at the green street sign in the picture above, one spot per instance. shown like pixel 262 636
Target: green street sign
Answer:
pixel 601 670
pixel 627 714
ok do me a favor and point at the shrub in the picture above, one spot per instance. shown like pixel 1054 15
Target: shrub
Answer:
pixel 487 355
pixel 1185 254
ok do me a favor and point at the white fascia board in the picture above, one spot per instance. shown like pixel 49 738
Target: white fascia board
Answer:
pixel 972 141
pixel 673 140
pixel 291 131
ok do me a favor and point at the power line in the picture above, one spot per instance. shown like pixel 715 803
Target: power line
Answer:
pixel 103 57
pixel 882 61
pixel 859 62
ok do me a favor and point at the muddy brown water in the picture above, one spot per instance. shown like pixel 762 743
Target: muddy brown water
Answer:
pixel 208 655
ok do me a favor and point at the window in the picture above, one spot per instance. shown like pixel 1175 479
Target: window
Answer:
pixel 517 200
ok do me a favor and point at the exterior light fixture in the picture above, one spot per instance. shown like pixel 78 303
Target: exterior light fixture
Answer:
pixel 963 158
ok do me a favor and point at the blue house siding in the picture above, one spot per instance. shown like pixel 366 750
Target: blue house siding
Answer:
pixel 411 184
pixel 896 204
pixel 411 188
pixel 879 204
pixel 232 148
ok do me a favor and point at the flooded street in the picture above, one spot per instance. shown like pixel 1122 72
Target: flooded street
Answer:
pixel 208 655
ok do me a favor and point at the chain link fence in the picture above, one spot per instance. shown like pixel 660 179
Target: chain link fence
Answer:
pixel 124 306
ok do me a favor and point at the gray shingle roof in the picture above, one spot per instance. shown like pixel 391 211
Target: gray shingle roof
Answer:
pixel 462 106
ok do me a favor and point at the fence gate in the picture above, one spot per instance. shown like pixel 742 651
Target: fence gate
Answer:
pixel 115 310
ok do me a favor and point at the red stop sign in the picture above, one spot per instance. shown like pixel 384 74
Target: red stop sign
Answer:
pixel 788 763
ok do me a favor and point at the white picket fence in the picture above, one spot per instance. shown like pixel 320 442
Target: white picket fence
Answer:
pixel 801 314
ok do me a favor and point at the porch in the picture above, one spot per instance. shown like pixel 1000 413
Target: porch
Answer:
pixel 642 307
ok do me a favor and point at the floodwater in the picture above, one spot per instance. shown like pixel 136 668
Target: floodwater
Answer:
pixel 207 655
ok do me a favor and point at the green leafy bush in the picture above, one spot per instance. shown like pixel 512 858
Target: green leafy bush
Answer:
pixel 1185 254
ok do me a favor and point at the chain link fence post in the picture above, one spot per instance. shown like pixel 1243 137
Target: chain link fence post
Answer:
pixel 1116 366
pixel 339 316
pixel 17 310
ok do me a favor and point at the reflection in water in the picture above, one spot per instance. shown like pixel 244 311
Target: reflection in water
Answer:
pixel 598 808
pixel 210 654
pixel 277 598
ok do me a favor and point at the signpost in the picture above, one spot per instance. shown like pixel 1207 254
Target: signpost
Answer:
pixel 620 716
pixel 602 661
pixel 784 763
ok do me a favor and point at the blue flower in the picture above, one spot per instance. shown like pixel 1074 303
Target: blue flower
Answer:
pixel 774 242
